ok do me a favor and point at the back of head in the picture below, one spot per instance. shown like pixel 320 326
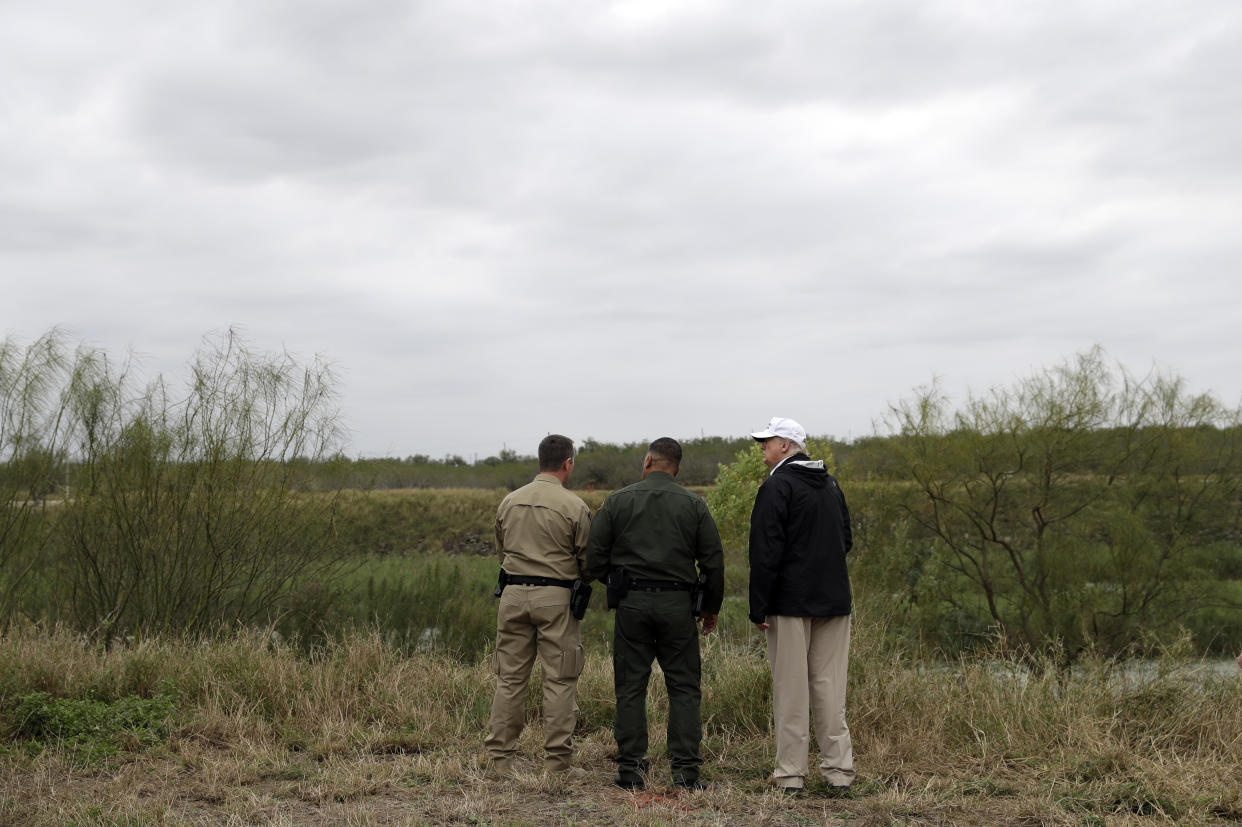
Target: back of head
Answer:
pixel 665 451
pixel 553 451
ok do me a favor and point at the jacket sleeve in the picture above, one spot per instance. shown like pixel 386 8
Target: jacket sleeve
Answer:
pixel 846 531
pixel 599 544
pixel 710 556
pixel 767 547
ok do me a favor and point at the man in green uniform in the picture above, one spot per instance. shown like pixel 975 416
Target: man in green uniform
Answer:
pixel 541 535
pixel 647 538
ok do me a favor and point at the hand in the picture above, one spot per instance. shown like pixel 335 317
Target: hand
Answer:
pixel 709 623
pixel 1240 661
pixel 763 627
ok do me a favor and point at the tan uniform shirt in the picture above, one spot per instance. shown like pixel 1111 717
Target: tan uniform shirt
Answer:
pixel 542 530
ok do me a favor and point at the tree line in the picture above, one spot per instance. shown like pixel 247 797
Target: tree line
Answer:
pixel 598 466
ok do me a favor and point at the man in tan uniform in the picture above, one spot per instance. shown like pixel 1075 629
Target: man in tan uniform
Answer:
pixel 541 535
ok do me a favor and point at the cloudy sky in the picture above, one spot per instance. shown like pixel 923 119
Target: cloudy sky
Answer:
pixel 627 219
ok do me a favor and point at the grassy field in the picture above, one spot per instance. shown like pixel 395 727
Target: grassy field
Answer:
pixel 248 729
pixel 367 702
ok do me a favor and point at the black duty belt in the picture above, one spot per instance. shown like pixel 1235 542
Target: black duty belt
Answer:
pixel 659 586
pixel 526 580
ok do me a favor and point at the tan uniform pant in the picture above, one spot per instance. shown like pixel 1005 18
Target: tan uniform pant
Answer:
pixel 530 620
pixel 809 657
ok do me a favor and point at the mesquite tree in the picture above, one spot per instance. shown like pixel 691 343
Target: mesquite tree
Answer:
pixel 184 515
pixel 1081 507
pixel 33 433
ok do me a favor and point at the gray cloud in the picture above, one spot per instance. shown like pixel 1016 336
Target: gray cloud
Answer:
pixel 629 219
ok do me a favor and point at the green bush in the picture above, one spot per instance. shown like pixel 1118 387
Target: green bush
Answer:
pixel 183 516
pixel 92 729
pixel 35 435
pixel 1067 513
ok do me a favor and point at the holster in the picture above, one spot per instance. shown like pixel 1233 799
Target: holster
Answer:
pixel 697 593
pixel 618 587
pixel 579 598
pixel 501 582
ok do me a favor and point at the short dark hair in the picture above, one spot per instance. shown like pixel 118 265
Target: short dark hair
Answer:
pixel 666 449
pixel 553 451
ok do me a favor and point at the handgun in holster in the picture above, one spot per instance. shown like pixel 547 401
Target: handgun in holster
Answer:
pixel 697 593
pixel 618 586
pixel 501 582
pixel 579 598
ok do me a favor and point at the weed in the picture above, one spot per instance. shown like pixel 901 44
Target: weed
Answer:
pixel 92 729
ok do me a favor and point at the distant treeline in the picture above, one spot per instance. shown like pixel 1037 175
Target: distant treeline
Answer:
pixel 599 466
pixel 607 466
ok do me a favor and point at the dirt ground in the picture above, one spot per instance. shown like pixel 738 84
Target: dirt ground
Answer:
pixel 201 784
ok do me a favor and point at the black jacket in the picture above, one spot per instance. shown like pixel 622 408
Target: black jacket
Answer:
pixel 799 536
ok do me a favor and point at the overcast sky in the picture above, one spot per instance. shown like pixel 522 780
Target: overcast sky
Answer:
pixel 631 219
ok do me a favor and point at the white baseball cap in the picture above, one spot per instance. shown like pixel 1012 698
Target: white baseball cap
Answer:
pixel 783 428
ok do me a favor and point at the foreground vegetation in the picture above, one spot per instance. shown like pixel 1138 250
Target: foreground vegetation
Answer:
pixel 247 728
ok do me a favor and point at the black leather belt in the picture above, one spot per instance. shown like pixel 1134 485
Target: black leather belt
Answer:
pixel 659 586
pixel 528 580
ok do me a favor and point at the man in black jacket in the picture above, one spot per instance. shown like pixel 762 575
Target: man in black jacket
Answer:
pixel 800 597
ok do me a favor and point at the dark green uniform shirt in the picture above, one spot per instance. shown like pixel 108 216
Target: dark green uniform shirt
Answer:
pixel 657 530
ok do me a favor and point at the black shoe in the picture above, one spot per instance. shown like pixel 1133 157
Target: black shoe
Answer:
pixel 633 779
pixel 629 783
pixel 792 792
pixel 840 791
pixel 696 784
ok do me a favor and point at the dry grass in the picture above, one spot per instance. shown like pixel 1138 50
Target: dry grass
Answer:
pixel 361 734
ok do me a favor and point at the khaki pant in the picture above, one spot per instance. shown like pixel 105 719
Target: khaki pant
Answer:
pixel 809 657
pixel 530 620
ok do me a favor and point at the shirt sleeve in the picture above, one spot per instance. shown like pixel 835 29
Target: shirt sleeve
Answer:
pixel 582 533
pixel 599 544
pixel 500 536
pixel 710 557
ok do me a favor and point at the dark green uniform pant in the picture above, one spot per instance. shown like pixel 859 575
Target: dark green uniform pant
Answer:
pixel 659 626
